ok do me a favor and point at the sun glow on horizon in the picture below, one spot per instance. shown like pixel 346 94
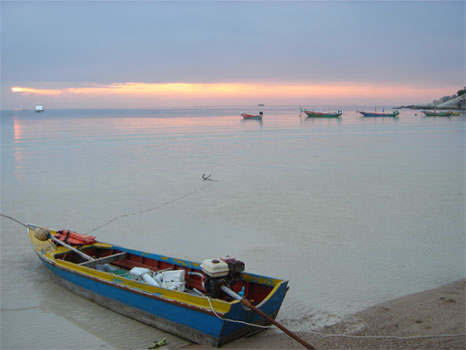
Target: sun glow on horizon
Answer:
pixel 27 90
pixel 239 91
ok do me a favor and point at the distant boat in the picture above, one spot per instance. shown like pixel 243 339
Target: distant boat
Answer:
pixel 40 108
pixel 440 114
pixel 312 114
pixel 261 105
pixel 375 114
pixel 252 116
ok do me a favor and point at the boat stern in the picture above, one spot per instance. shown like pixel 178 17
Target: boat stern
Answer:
pixel 243 320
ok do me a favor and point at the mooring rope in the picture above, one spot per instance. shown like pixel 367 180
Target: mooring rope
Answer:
pixel 150 209
pixel 130 214
pixel 16 220
pixel 343 335
pixel 230 320
pixel 386 336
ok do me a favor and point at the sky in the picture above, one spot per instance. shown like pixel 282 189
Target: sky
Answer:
pixel 145 54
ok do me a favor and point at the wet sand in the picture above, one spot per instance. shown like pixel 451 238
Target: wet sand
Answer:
pixel 429 315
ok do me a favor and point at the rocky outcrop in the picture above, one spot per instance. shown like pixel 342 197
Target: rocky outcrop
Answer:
pixel 458 102
pixel 446 102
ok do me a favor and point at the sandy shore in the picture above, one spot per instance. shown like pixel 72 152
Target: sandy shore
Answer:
pixel 429 315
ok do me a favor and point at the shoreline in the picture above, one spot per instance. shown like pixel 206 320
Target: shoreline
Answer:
pixel 430 107
pixel 422 320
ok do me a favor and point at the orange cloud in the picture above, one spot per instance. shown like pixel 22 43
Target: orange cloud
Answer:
pixel 221 90
pixel 27 90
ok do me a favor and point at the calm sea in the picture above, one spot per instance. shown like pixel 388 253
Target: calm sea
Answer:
pixel 352 211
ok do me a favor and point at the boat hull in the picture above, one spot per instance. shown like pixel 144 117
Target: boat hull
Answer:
pixel 372 114
pixel 311 114
pixel 251 116
pixel 170 311
pixel 440 114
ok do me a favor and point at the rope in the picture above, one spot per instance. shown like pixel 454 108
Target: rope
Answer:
pixel 150 209
pixel 129 214
pixel 343 335
pixel 387 336
pixel 12 218
pixel 230 320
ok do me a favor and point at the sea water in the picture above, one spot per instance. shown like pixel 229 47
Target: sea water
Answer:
pixel 352 211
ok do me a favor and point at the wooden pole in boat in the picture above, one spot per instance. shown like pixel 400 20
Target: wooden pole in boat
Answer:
pixel 249 305
pixel 85 256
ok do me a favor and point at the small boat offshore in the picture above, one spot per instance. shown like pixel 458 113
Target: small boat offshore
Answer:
pixel 252 116
pixel 440 114
pixel 375 114
pixel 202 302
pixel 313 114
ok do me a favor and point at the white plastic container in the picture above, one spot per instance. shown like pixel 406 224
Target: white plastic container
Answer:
pixel 179 286
pixel 173 276
pixel 158 278
pixel 149 280
pixel 174 280
pixel 139 271
pixel 215 267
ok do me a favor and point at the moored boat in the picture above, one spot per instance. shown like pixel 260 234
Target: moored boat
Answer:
pixel 252 116
pixel 313 114
pixel 181 297
pixel 39 108
pixel 375 114
pixel 440 114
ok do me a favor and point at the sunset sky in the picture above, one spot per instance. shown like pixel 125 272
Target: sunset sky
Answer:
pixel 143 54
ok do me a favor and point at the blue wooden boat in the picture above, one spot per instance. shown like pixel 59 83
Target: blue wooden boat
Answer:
pixel 193 307
pixel 375 114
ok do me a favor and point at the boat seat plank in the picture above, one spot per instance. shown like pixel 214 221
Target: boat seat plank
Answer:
pixel 104 260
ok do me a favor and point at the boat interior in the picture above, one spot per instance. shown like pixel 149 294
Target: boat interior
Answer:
pixel 122 262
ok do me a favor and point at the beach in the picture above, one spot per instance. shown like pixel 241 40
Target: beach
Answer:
pixel 429 317
pixel 352 211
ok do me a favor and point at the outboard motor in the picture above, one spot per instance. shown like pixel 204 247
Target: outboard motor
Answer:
pixel 234 266
pixel 219 272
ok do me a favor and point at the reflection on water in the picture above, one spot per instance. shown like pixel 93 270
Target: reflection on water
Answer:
pixel 18 153
pixel 380 120
pixel 320 122
pixel 352 211
pixel 251 124
pixel 17 130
